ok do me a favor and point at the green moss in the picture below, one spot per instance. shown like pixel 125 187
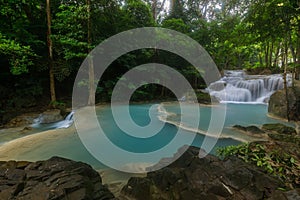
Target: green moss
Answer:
pixel 279 128
pixel 203 97
pixel 285 138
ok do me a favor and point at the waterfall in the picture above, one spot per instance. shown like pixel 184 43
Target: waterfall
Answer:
pixel 66 123
pixel 237 86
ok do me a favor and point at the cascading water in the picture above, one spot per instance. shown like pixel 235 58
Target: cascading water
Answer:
pixel 237 86
pixel 66 123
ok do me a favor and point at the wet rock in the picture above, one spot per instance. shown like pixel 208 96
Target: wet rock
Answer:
pixel 26 129
pixel 50 116
pixel 22 120
pixel 56 178
pixel 191 177
pixel 278 104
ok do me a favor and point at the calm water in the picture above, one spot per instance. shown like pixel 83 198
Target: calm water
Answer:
pixel 71 147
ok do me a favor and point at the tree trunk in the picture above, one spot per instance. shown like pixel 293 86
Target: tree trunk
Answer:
pixel 50 52
pixel 91 100
pixel 285 81
pixel 297 75
pixel 154 9
pixel 260 60
pixel 267 55
pixel 275 62
pixel 172 5
pixel 162 92
pixel 271 54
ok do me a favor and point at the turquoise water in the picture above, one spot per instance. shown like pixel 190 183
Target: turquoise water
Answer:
pixel 71 147
pixel 236 114
pixel 140 115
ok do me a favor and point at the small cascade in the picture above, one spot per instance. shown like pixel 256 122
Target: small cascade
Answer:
pixel 66 123
pixel 237 86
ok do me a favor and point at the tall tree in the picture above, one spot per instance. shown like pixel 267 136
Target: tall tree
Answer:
pixel 50 52
pixel 91 100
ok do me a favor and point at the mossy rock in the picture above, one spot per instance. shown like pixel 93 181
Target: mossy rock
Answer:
pixel 250 129
pixel 285 138
pixel 239 127
pixel 279 128
pixel 254 130
pixel 278 105
pixel 205 98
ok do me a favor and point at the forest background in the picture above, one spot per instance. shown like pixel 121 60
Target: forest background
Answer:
pixel 43 44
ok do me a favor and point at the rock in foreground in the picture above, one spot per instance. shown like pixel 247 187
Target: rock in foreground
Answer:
pixel 191 177
pixel 56 178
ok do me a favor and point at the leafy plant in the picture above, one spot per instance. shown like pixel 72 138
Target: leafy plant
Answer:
pixel 58 105
pixel 275 162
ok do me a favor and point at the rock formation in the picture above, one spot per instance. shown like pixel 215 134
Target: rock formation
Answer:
pixel 50 116
pixel 56 178
pixel 22 120
pixel 191 177
pixel 278 104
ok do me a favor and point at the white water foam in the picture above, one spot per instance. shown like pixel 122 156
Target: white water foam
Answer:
pixel 238 87
pixel 66 123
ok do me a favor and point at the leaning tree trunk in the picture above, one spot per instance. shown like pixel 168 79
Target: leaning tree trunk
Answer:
pixel 50 52
pixel 91 100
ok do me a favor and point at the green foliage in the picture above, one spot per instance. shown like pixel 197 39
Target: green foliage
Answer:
pixel 277 163
pixel 178 10
pixel 19 56
pixel 236 33
pixel 137 14
pixel 176 24
pixel 58 105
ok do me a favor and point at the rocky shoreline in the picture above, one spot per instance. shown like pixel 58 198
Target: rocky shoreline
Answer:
pixel 189 177
pixel 56 178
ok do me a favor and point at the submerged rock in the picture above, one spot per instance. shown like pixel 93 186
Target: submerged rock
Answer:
pixel 249 129
pixel 191 177
pixel 56 178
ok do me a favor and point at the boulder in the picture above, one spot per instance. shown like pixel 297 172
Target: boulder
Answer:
pixel 50 116
pixel 203 97
pixel 191 177
pixel 56 178
pixel 278 104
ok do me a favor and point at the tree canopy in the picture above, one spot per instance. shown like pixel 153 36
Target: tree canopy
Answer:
pixel 238 34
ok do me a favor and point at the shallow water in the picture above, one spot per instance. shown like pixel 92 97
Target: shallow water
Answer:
pixel 236 114
pixel 70 146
